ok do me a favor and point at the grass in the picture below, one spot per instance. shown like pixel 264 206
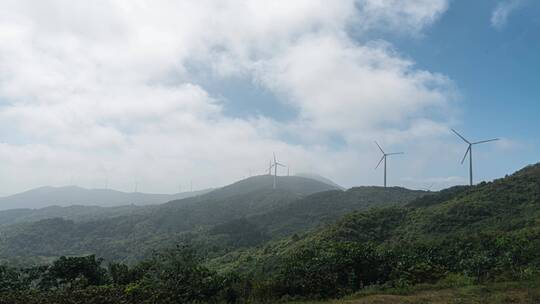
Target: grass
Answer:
pixel 493 293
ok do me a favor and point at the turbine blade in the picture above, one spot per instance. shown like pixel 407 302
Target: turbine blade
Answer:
pixel 275 157
pixel 465 156
pixel 382 158
pixel 379 147
pixel 461 136
pixel 485 141
pixel 395 153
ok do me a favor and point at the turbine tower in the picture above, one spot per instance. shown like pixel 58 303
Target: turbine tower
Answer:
pixel 469 152
pixel 383 158
pixel 275 165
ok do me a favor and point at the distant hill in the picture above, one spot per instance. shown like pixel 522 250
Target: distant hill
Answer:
pixel 131 236
pixel 294 184
pixel 75 213
pixel 73 195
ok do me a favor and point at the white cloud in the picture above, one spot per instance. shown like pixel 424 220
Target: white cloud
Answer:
pixel 107 84
pixel 342 87
pixel 499 16
pixel 409 17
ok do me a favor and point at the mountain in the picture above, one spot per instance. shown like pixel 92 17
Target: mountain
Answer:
pixel 75 213
pixel 73 195
pixel 294 242
pixel 488 230
pixel 465 244
pixel 131 236
pixel 294 184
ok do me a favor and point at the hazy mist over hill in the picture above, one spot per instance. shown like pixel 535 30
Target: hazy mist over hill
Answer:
pixel 73 195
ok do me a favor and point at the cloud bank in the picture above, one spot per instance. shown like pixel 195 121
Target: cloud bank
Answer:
pixel 105 90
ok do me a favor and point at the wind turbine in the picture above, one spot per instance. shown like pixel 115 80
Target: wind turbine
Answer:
pixel 469 152
pixel 270 168
pixel 383 158
pixel 106 173
pixel 275 165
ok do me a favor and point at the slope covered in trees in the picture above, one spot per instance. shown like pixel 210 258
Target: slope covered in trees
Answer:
pixel 326 207
pixel 457 238
pixel 484 232
pixel 135 233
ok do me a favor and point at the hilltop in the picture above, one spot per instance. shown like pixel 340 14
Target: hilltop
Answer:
pixel 72 195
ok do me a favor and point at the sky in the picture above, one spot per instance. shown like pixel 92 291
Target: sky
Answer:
pixel 166 93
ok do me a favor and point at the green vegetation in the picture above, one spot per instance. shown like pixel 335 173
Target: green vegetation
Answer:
pixel 476 244
pixel 488 232
pixel 258 212
pixel 173 276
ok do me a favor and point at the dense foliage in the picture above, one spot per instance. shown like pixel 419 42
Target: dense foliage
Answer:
pixel 486 233
pixel 172 276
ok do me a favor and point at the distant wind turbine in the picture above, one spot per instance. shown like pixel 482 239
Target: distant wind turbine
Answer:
pixel 384 156
pixel 469 152
pixel 106 173
pixel 275 165
pixel 270 168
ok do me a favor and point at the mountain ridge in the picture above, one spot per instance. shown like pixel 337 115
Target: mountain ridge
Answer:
pixel 121 237
pixel 47 196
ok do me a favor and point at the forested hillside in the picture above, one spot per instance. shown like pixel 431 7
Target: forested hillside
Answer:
pixel 486 232
pixel 326 207
pixel 76 213
pixel 134 233
pixel 396 242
